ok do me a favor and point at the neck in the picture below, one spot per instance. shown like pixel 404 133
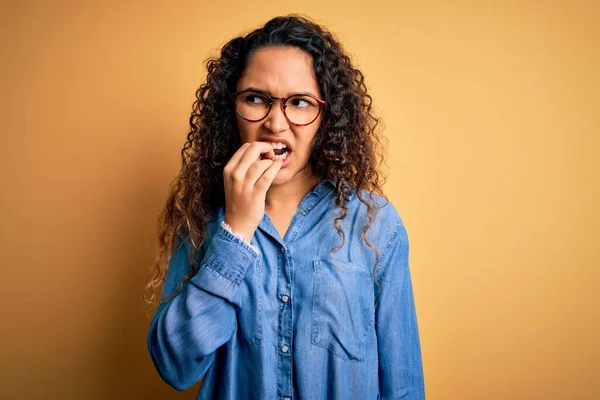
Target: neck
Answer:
pixel 290 193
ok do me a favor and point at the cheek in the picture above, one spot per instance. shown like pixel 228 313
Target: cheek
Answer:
pixel 306 144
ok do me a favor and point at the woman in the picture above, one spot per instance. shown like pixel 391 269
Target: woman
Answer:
pixel 285 269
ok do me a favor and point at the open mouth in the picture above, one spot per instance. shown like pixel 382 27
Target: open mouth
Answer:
pixel 281 151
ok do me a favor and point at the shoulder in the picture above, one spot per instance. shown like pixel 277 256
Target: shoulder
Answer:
pixel 386 222
pixel 385 213
pixel 387 233
pixel 358 203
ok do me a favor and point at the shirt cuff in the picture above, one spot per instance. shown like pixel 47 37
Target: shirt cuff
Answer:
pixel 239 236
pixel 224 266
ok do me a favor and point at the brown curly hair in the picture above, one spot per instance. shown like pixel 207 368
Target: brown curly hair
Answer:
pixel 347 147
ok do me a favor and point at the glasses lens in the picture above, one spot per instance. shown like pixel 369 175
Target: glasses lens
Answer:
pixel 301 109
pixel 252 106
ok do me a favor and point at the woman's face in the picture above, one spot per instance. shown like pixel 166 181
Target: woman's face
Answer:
pixel 281 71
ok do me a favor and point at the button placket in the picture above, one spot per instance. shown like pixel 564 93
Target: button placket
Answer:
pixel 284 290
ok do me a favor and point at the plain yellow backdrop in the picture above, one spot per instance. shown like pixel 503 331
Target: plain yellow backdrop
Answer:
pixel 492 116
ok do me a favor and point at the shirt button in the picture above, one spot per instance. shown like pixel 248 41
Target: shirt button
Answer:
pixel 303 212
pixel 286 398
pixel 284 348
pixel 284 298
pixel 283 250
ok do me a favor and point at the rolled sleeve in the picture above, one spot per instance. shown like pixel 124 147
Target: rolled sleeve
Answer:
pixel 187 329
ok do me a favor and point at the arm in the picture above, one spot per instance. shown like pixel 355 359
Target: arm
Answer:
pixel 187 330
pixel 400 364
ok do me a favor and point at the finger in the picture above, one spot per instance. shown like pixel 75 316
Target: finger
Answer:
pixel 265 181
pixel 255 172
pixel 258 149
pixel 252 154
pixel 237 156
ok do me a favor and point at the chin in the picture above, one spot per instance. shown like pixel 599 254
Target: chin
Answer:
pixel 289 173
pixel 281 177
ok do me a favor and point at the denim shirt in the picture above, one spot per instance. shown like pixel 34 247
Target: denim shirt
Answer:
pixel 294 320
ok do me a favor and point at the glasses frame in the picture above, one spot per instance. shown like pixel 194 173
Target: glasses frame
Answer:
pixel 283 105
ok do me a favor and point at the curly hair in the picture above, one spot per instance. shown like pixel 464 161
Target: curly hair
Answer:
pixel 347 147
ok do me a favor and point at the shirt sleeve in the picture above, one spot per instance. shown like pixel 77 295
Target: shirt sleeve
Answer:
pixel 400 363
pixel 186 330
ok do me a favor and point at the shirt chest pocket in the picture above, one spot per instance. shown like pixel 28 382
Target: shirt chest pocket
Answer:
pixel 342 308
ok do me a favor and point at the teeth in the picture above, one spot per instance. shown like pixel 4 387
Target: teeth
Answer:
pixel 278 145
pixel 284 155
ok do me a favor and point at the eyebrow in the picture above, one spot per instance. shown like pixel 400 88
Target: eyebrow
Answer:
pixel 271 94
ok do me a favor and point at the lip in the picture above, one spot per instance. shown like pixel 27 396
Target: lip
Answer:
pixel 271 140
pixel 286 160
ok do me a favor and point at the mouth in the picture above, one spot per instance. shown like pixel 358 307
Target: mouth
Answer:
pixel 281 150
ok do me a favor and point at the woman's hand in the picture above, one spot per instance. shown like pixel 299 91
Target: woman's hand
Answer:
pixel 247 178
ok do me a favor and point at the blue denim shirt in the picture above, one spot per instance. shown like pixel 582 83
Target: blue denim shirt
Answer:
pixel 294 321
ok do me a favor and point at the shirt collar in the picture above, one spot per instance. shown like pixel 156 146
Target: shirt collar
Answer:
pixel 327 186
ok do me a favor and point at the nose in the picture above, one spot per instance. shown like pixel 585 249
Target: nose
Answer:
pixel 276 121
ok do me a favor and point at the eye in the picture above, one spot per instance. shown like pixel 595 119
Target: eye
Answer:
pixel 255 98
pixel 301 102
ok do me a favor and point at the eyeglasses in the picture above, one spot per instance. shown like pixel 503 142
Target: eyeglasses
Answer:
pixel 299 108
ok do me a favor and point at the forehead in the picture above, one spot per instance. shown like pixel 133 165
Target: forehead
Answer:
pixel 280 71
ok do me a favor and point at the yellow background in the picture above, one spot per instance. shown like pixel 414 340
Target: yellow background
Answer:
pixel 492 115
